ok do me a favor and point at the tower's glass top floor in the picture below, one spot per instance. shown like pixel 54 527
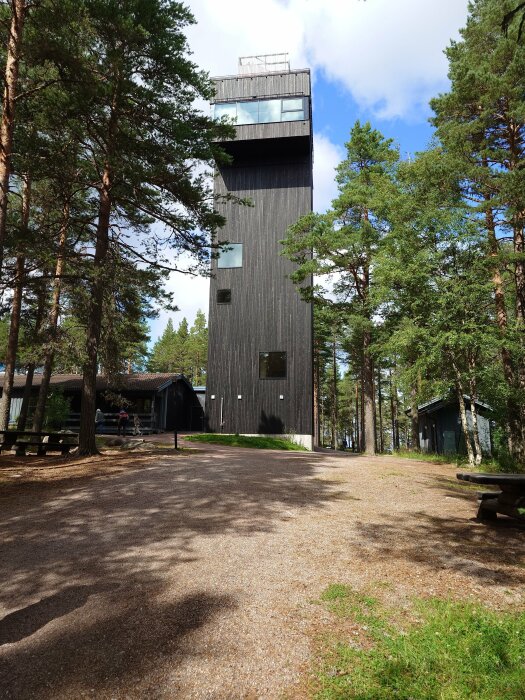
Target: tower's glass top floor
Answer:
pixel 287 109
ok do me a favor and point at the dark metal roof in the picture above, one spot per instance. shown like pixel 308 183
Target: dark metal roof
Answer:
pixel 437 404
pixel 127 382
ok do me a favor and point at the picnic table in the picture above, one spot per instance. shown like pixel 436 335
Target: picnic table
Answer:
pixel 508 500
pixel 44 442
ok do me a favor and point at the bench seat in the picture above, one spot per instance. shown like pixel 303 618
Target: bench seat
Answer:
pixel 43 447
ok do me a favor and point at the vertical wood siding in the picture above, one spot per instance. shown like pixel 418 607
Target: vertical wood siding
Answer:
pixel 262 86
pixel 266 312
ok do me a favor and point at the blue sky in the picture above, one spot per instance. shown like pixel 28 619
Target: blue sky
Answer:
pixel 373 60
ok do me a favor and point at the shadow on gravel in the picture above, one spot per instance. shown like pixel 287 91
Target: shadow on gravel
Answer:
pixel 66 546
pixel 28 620
pixel 440 543
pixel 105 657
pixel 142 522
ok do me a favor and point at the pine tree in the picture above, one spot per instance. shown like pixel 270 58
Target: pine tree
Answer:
pixel 197 350
pixel 144 133
pixel 481 124
pixel 432 276
pixel 346 239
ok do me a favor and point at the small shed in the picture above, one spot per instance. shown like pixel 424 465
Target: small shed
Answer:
pixel 440 429
pixel 161 401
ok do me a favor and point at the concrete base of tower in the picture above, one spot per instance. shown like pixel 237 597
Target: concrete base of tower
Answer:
pixel 306 441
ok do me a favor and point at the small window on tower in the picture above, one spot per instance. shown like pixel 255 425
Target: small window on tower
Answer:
pixel 292 110
pixel 272 365
pixel 224 296
pixel 230 255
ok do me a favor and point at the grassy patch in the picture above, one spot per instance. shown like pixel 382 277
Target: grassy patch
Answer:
pixel 262 443
pixel 487 465
pixel 429 457
pixel 454 651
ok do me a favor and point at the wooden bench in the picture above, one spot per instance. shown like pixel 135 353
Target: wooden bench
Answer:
pixel 509 500
pixel 44 442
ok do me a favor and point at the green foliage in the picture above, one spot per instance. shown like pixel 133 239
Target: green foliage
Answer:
pixel 340 248
pixel 182 351
pixel 57 410
pixel 455 651
pixel 197 350
pixel 262 443
pixel 424 259
pixel 109 133
pixel 481 125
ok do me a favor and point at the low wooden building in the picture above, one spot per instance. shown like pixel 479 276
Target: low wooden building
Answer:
pixel 440 428
pixel 162 402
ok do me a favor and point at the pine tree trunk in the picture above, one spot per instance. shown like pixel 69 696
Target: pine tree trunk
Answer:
pixel 87 441
pixel 317 426
pixel 464 425
pixel 514 417
pixel 519 249
pixel 16 309
pixel 414 419
pixel 7 124
pixel 54 311
pixel 380 408
pixel 463 413
pixel 362 413
pixel 357 431
pixel 22 418
pixel 519 272
pixel 517 418
pixel 376 432
pixel 24 410
pixel 334 411
pixel 351 425
pixel 12 343
pixel 321 422
pixel 368 395
pixel 478 456
pixel 394 416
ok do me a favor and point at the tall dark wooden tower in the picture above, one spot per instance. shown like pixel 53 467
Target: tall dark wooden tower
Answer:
pixel 260 331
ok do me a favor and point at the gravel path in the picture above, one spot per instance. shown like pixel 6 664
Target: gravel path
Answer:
pixel 196 576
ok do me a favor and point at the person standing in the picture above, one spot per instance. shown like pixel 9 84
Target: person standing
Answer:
pixel 123 418
pixel 99 421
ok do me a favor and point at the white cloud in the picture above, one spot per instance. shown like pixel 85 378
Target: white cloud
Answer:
pixel 326 156
pixel 388 54
pixel 229 29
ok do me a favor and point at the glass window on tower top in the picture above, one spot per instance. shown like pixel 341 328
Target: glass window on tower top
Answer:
pixel 286 109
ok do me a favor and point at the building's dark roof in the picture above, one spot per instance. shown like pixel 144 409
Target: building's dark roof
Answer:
pixel 437 404
pixel 127 382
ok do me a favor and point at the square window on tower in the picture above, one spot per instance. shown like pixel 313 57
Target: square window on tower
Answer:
pixel 272 365
pixel 224 296
pixel 230 255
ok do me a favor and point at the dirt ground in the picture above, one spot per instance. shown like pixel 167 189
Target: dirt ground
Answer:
pixel 196 575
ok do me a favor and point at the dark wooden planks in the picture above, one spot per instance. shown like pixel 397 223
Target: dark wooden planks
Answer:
pixel 266 312
pixel 266 85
